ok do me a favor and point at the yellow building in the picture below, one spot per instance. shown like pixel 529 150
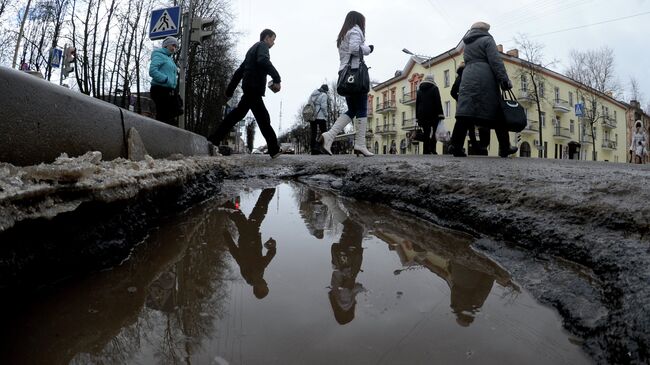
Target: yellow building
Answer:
pixel 391 112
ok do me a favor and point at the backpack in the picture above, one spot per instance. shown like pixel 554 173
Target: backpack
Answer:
pixel 309 111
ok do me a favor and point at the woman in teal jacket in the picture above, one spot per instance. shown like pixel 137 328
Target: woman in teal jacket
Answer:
pixel 164 75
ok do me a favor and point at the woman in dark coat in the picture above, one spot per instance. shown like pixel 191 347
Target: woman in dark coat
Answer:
pixel 428 112
pixel 479 97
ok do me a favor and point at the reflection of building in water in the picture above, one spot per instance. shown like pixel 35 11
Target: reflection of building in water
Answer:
pixel 464 272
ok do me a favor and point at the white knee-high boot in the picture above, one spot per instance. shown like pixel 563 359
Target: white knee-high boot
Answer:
pixel 327 138
pixel 360 138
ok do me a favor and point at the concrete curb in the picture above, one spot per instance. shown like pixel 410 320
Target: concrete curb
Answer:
pixel 41 120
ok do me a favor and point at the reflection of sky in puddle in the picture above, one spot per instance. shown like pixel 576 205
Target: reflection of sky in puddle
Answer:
pixel 345 283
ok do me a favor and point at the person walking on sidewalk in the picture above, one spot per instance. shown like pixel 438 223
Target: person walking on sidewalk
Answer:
pixel 428 112
pixel 479 95
pixel 164 76
pixel 475 147
pixel 319 100
pixel 350 42
pixel 253 71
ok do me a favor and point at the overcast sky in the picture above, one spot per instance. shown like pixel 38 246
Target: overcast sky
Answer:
pixel 305 50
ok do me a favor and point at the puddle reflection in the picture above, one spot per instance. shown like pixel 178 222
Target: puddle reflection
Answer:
pixel 346 282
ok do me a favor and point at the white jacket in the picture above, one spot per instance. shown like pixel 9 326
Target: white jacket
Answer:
pixel 319 101
pixel 350 46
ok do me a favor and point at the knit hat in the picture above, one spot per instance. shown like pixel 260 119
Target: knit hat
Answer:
pixel 169 41
pixel 429 79
pixel 481 25
pixel 324 88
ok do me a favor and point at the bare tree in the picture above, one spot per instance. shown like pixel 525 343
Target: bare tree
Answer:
pixel 593 70
pixel 335 104
pixel 635 90
pixel 532 77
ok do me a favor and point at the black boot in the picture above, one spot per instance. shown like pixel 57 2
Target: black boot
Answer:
pixel 456 151
pixel 509 151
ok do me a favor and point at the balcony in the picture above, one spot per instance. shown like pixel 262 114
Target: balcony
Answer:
pixel 370 111
pixel 609 122
pixel 609 145
pixel 561 106
pixel 561 133
pixel 531 128
pixel 409 124
pixel 386 129
pixel 386 107
pixel 586 139
pixel 408 98
pixel 525 96
pixel 369 133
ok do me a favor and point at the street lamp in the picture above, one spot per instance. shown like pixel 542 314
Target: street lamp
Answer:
pixel 417 57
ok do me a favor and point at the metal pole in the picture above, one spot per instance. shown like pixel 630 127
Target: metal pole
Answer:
pixel 185 45
pixel 20 33
pixel 65 49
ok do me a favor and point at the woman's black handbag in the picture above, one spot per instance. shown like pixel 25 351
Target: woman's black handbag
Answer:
pixel 354 81
pixel 417 135
pixel 514 115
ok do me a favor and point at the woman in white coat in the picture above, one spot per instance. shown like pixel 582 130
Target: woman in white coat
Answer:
pixel 351 42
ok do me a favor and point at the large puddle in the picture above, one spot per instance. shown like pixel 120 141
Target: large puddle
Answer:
pixel 289 275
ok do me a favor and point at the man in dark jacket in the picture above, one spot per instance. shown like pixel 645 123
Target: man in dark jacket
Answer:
pixel 253 71
pixel 428 112
pixel 479 97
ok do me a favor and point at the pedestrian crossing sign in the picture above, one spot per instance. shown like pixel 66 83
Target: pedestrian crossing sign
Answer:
pixel 165 22
pixel 580 110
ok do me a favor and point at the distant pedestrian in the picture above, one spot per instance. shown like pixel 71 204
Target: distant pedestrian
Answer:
pixel 350 42
pixel 256 66
pixel 639 152
pixel 164 77
pixel 428 112
pixel 479 95
pixel 319 100
pixel 639 136
pixel 475 147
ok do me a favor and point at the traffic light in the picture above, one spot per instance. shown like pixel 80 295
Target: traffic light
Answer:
pixel 69 57
pixel 202 29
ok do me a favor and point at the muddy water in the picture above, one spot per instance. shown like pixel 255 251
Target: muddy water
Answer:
pixel 289 275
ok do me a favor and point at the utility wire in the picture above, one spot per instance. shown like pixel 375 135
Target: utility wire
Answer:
pixel 588 25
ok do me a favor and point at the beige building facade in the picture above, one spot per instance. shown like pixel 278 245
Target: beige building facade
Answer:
pixel 565 135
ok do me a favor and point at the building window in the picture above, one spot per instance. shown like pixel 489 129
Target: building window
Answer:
pixel 571 99
pixel 393 119
pixel 403 118
pixel 447 108
pixel 572 126
pixel 524 82
pixel 542 90
pixel 614 115
pixel 542 122
pixel 446 78
pixel 557 93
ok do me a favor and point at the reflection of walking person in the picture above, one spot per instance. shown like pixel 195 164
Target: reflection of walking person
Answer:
pixel 248 253
pixel 347 256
